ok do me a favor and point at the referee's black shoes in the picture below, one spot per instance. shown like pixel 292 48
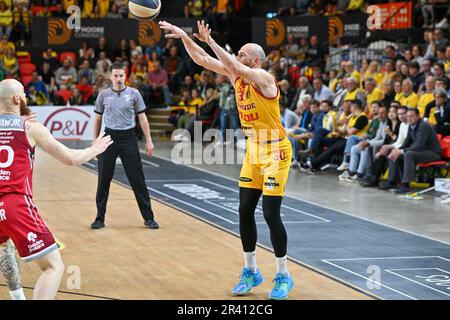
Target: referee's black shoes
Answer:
pixel 151 224
pixel 98 224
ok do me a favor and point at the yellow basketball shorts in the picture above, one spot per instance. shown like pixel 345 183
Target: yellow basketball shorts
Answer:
pixel 266 167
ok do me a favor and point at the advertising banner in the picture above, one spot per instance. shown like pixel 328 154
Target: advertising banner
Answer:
pixel 67 123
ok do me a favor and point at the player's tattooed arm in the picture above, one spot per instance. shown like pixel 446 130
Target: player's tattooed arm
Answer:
pixel 10 267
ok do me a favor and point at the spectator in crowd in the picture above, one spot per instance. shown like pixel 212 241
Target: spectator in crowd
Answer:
pixel 122 5
pixel 392 54
pixel 35 98
pixel 122 53
pixel 174 68
pixel 415 75
pixel 373 94
pixel 38 85
pixel 388 92
pixel 323 135
pixel 76 99
pixel 59 12
pixel 153 47
pixel 439 70
pixel 389 72
pixel 86 71
pixel 86 90
pixel 185 121
pixel 341 92
pixel 374 72
pixel 426 98
pixel 396 134
pixel 21 24
pixel 417 54
pixel 102 46
pixel 135 48
pixel 9 62
pixel 369 133
pixel 321 91
pixel 3 73
pixel 66 75
pixel 188 83
pixel 351 71
pixel 314 53
pixel 442 113
pixel 304 89
pixel 289 118
pixel 354 92
pixel 204 83
pixel 421 145
pixel 286 92
pixel 408 97
pixel 316 123
pixel 193 9
pixel 46 74
pixel 357 124
pixel 228 109
pixel 114 13
pixel 49 56
pixel 102 58
pixel 361 153
pixel 84 48
pixel 6 20
pixel 158 84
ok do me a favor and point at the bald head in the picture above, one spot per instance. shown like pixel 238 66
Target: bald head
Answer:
pixel 12 95
pixel 252 55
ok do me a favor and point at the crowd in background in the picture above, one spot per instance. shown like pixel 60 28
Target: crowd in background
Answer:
pixel 336 107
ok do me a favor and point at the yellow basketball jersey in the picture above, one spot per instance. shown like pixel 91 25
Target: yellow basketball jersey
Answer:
pixel 260 116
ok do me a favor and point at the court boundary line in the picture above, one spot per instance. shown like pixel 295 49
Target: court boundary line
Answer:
pixel 310 202
pixel 293 260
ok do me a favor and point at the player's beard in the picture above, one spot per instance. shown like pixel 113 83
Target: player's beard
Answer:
pixel 24 110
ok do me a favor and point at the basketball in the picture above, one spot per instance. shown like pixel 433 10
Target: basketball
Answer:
pixel 145 9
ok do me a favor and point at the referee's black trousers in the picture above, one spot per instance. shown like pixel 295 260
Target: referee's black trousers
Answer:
pixel 126 147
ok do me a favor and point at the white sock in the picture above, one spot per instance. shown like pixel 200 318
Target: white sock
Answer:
pixel 250 261
pixel 17 294
pixel 282 265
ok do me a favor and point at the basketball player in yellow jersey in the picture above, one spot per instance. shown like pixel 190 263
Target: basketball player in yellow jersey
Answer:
pixel 268 156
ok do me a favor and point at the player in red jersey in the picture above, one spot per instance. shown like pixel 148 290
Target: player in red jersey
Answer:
pixel 19 217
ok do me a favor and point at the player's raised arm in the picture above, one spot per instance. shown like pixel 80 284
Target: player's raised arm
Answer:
pixel 198 55
pixel 247 65
pixel 41 136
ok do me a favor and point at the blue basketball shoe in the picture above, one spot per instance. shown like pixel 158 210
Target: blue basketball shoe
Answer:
pixel 283 284
pixel 247 281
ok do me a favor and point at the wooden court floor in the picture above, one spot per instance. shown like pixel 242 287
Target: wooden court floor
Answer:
pixel 185 259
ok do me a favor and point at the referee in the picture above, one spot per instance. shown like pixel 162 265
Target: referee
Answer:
pixel 119 105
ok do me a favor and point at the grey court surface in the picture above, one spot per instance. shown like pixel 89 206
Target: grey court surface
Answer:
pixel 382 261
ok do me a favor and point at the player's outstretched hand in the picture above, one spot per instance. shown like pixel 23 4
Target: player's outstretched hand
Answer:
pixel 204 32
pixel 101 143
pixel 174 31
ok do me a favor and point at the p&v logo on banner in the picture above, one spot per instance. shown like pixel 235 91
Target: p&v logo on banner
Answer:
pixel 68 123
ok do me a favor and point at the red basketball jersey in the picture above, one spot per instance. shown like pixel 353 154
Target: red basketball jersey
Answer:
pixel 16 157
